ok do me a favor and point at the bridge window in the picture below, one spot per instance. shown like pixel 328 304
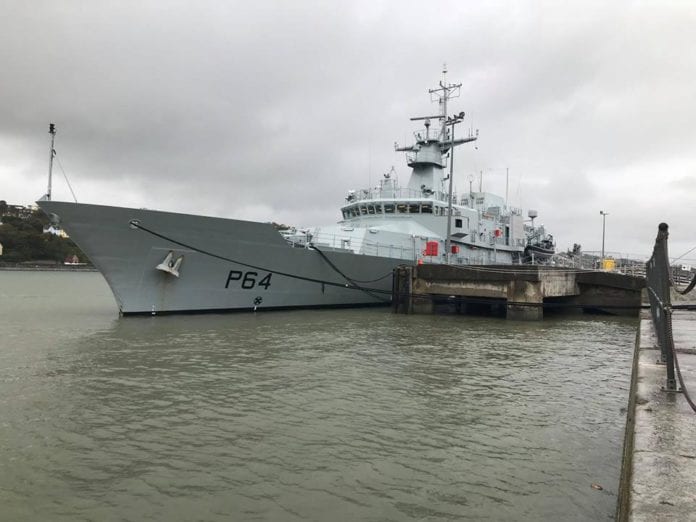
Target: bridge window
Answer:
pixel 458 223
pixel 346 214
pixel 388 208
pixel 414 208
pixel 427 208
pixel 363 210
pixel 370 209
pixel 401 208
pixel 378 208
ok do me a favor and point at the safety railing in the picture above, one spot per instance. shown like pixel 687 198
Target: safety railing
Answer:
pixel 355 245
pixel 380 193
pixel 659 283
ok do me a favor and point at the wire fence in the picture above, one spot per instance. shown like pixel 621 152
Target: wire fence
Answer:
pixel 659 283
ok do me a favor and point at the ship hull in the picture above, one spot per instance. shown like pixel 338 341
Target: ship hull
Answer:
pixel 226 265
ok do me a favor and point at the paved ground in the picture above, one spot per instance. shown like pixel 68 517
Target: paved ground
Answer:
pixel 663 481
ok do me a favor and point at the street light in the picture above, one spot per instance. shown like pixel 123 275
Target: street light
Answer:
pixel 604 227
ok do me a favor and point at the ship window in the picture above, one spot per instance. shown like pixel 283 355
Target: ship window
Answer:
pixel 346 214
pixel 458 223
pixel 414 208
pixel 378 208
pixel 353 212
pixel 388 208
pixel 401 208
pixel 370 209
pixel 427 209
pixel 363 209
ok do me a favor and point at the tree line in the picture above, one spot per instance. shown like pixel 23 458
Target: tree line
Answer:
pixel 23 239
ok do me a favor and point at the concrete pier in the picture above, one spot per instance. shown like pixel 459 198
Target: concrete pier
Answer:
pixel 523 290
pixel 658 479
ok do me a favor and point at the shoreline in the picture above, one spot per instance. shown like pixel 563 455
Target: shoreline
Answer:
pixel 57 268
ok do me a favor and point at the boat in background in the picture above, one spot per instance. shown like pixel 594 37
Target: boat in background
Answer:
pixel 163 262
pixel 540 245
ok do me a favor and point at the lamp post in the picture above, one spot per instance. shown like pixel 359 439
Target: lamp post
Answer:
pixel 604 228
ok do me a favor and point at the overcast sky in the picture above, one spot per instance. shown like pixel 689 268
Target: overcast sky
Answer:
pixel 272 110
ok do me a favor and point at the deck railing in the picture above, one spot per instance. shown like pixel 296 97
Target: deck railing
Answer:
pixel 379 193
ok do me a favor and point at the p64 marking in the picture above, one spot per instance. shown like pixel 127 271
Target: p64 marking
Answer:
pixel 248 280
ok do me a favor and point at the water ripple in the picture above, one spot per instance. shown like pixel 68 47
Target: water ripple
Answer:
pixel 351 415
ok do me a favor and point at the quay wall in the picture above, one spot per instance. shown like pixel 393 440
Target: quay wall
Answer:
pixel 524 290
pixel 658 475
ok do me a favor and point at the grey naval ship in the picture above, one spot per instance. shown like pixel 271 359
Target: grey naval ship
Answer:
pixel 162 262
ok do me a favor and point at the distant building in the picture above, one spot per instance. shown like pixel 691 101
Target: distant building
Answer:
pixel 56 231
pixel 19 211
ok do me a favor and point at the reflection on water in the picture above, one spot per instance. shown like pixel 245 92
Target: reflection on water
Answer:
pixel 342 415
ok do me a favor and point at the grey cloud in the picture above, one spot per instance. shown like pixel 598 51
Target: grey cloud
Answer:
pixel 272 110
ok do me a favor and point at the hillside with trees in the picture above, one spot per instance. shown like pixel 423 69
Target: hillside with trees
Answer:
pixel 23 238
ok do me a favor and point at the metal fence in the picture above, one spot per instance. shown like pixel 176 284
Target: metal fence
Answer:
pixel 659 283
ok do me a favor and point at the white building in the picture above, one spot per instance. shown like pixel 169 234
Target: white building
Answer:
pixel 56 231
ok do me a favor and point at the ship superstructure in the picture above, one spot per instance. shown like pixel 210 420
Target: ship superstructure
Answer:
pixel 424 220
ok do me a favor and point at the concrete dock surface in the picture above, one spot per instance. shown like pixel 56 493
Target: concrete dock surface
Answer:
pixel 660 483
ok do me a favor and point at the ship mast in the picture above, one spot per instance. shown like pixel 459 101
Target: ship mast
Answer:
pixel 426 156
pixel 52 132
pixel 449 90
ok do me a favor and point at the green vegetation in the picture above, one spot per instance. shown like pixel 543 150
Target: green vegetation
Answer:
pixel 23 239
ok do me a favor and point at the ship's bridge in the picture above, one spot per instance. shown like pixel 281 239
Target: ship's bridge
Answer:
pixel 397 206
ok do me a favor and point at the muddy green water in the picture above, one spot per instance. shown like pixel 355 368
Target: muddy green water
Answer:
pixel 308 415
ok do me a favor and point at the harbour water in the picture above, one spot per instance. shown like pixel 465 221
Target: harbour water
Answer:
pixel 305 415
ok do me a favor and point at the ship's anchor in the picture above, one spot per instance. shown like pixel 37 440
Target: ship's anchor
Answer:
pixel 170 265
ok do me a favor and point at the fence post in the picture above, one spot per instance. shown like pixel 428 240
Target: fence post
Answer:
pixel 659 282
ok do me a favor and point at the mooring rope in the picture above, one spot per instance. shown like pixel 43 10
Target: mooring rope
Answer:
pixel 351 281
pixel 688 289
pixel 351 285
pixel 681 381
